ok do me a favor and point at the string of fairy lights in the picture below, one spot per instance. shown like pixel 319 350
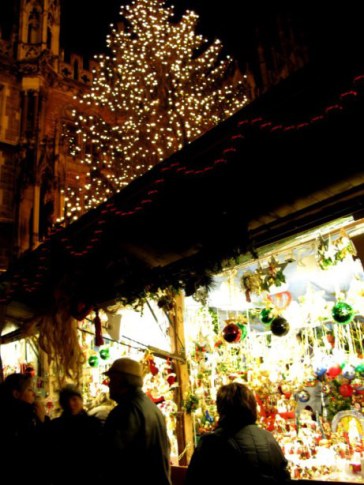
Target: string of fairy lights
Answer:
pixel 161 87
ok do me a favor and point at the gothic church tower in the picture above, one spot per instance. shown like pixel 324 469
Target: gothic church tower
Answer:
pixel 37 89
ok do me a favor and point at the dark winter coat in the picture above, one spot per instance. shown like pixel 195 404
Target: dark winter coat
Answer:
pixel 246 455
pixel 74 449
pixel 21 440
pixel 136 442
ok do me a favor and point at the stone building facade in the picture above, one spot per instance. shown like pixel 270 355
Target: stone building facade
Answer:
pixel 37 90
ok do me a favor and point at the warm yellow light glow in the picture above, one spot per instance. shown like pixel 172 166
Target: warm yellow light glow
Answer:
pixel 161 87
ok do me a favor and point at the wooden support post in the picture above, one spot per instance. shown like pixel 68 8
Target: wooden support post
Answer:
pixel 184 421
pixel 2 325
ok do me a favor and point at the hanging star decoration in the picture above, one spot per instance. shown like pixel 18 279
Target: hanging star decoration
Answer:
pixel 330 253
pixel 264 278
pixel 273 275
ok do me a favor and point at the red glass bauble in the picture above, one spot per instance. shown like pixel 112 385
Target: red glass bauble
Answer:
pixel 231 333
pixel 333 371
pixel 346 390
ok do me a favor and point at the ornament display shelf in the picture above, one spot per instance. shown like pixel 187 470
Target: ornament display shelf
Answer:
pixel 340 472
pixel 332 481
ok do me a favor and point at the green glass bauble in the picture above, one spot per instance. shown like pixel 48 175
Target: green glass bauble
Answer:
pixel 342 312
pixel 93 361
pixel 360 369
pixel 104 354
pixel 266 316
pixel 244 330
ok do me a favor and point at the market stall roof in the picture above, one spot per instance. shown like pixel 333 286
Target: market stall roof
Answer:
pixel 287 162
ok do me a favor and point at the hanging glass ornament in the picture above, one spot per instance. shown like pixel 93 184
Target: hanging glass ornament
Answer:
pixel 346 390
pixel 348 372
pixel 320 370
pixel 334 371
pixel 279 327
pixel 93 361
pixel 303 396
pixel 342 312
pixel 105 353
pixel 360 369
pixel 244 330
pixel 266 316
pixel 231 333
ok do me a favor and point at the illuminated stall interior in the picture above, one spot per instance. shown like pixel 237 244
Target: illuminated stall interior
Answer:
pixel 290 325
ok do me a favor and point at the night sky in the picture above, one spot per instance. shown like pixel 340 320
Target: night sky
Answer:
pixel 322 26
pixel 85 24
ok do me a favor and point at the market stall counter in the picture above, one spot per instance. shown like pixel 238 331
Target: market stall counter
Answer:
pixel 179 475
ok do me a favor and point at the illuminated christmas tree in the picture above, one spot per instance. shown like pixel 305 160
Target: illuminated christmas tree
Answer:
pixel 162 86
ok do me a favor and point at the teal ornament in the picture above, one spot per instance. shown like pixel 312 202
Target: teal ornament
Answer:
pixel 342 312
pixel 360 369
pixel 244 330
pixel 279 327
pixel 104 354
pixel 93 361
pixel 266 316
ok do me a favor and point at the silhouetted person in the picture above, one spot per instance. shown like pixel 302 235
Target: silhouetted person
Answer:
pixel 136 439
pixel 22 426
pixel 74 443
pixel 238 451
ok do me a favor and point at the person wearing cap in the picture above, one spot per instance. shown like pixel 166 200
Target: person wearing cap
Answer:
pixel 74 441
pixel 136 440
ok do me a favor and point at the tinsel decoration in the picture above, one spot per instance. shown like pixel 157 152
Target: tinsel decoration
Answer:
pixel 201 295
pixel 251 283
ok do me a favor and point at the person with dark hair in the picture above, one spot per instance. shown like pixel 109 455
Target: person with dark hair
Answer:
pixel 136 439
pixel 74 442
pixel 22 426
pixel 238 451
